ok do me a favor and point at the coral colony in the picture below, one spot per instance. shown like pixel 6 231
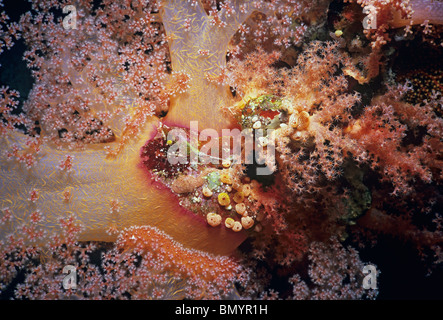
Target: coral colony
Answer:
pixel 219 149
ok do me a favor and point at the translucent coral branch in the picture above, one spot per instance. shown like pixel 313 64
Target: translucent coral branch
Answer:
pixel 190 31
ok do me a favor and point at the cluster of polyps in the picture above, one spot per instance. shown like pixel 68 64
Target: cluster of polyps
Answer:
pixel 183 151
pixel 241 198
pixel 226 197
pixel 218 190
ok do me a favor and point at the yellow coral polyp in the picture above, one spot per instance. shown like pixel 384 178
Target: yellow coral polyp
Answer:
pixel 238 197
pixel 213 219
pixel 229 223
pixel 237 226
pixel 247 222
pixel 226 163
pixel 225 177
pixel 303 121
pixel 207 192
pixel 246 190
pixel 240 208
pixel 223 199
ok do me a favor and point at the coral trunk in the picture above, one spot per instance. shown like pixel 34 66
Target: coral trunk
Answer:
pixel 105 196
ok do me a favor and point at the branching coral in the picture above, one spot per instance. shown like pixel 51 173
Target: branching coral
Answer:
pixel 388 120
pixel 334 272
pixel 321 137
pixel 315 89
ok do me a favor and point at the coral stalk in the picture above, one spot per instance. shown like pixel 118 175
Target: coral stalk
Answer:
pixel 198 44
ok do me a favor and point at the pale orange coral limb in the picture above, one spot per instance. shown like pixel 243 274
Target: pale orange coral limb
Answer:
pixel 94 184
pixel 181 262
